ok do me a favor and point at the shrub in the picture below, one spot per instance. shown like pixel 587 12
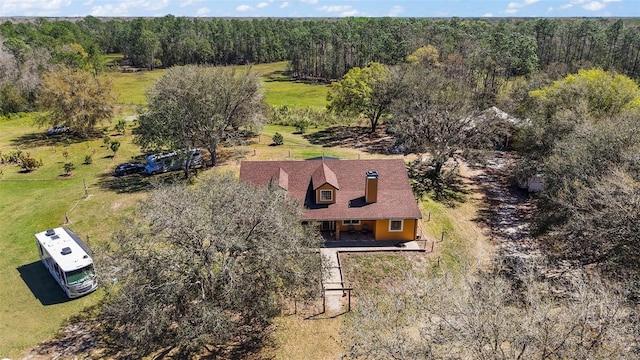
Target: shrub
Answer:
pixel 88 159
pixel 68 168
pixel 278 139
pixel 28 164
pixel 120 127
pixel 301 125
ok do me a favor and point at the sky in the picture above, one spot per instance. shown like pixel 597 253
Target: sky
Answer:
pixel 322 8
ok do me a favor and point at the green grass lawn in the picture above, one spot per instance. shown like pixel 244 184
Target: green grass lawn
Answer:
pixel 33 306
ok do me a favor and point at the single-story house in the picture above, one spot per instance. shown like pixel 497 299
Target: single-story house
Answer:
pixel 370 196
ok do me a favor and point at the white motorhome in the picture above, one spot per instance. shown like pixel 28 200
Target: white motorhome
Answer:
pixel 68 259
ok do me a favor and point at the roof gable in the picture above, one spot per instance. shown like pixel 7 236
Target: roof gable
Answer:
pixel 280 178
pixel 324 175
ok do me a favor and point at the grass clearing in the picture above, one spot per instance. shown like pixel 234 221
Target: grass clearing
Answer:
pixel 313 339
pixel 279 89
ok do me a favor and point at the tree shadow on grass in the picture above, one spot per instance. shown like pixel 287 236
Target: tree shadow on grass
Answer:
pixel 141 182
pixel 451 191
pixel 356 137
pixel 447 187
pixel 39 139
pixel 126 184
pixel 42 284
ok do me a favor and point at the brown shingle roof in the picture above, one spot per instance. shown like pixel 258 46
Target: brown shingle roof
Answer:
pixel 324 175
pixel 281 178
pixel 395 198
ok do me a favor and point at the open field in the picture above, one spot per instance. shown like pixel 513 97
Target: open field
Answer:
pixel 34 308
pixel 279 90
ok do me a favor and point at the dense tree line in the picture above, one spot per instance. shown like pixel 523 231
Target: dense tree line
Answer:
pixel 484 51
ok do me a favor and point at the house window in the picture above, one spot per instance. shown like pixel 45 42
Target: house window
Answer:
pixel 395 225
pixel 326 195
pixel 350 222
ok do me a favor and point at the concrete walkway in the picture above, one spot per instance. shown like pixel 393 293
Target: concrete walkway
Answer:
pixel 333 281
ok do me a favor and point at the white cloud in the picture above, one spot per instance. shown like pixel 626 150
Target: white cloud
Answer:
pixel 487 15
pixel 343 10
pixel 594 6
pixel 262 5
pixel 566 6
pixel 189 2
pixel 395 11
pixel 309 1
pixel 244 8
pixel 203 11
pixel 30 7
pixel 608 1
pixel 513 7
pixel 284 5
pixel 88 3
pixel 127 8
pixel 109 10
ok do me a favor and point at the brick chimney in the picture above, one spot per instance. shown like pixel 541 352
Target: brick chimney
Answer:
pixel 371 187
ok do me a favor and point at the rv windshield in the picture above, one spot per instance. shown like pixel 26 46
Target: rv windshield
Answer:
pixel 80 275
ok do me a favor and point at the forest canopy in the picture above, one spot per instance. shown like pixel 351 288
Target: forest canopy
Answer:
pixel 317 49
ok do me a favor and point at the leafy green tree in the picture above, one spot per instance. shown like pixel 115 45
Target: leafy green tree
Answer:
pixel 197 106
pixel 76 99
pixel 206 266
pixel 427 55
pixel 72 55
pixel 368 91
pixel 278 139
pixel 589 93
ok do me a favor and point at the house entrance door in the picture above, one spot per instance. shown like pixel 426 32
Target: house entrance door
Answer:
pixel 328 226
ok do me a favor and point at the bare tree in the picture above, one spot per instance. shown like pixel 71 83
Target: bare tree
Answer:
pixel 485 316
pixel 436 115
pixel 206 266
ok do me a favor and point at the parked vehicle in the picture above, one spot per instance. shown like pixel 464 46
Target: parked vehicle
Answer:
pixel 68 259
pixel 171 161
pixel 58 129
pixel 129 168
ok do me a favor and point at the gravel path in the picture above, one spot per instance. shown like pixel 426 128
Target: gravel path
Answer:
pixel 507 211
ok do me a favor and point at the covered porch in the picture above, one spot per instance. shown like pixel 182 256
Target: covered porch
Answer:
pixel 370 230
